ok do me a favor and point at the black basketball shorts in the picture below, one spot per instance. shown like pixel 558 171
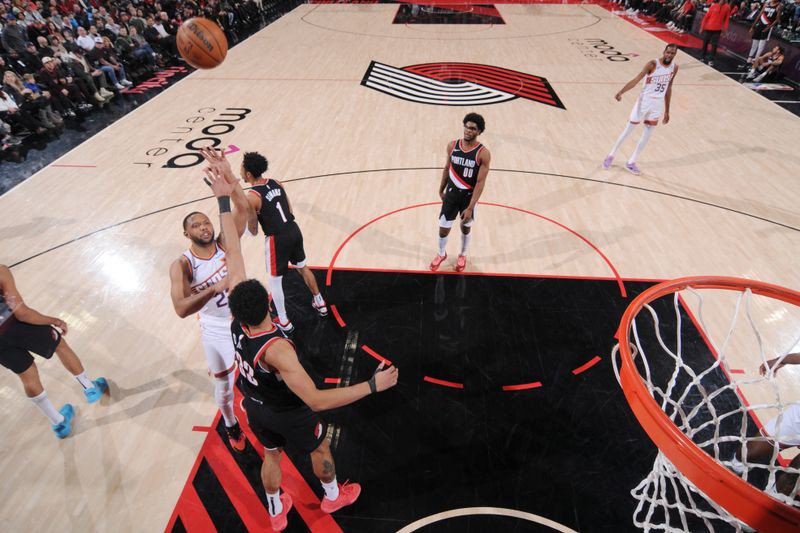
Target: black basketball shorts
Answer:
pixel 284 248
pixel 18 340
pixel 454 203
pixel 301 429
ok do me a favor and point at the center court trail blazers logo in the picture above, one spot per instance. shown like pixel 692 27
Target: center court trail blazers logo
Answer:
pixel 458 84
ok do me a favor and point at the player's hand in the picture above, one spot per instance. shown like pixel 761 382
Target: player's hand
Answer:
pixel 441 195
pixel 216 159
pixel 386 378
pixel 772 363
pixel 618 97
pixel 666 118
pixel 466 215
pixel 60 324
pixel 220 286
pixel 215 179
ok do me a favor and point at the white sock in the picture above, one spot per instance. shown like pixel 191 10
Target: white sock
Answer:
pixel 319 300
pixel 274 504
pixel 442 245
pixel 331 489
pixel 223 393
pixel 47 407
pixel 465 238
pixel 276 290
pixel 85 382
pixel 627 131
pixel 648 131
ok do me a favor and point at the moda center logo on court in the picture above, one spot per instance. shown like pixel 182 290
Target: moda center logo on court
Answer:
pixel 458 84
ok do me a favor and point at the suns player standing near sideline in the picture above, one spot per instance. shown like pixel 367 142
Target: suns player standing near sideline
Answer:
pixel 283 242
pixel 24 330
pixel 463 180
pixel 199 285
pixel 280 398
pixel 652 104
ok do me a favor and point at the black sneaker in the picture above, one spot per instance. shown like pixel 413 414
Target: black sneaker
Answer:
pixel 236 438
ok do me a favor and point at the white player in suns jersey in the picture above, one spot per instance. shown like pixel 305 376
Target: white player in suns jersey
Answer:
pixel 199 285
pixel 651 105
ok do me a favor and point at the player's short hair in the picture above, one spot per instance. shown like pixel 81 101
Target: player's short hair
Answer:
pixel 249 302
pixel 187 217
pixel 255 163
pixel 477 119
pixel 671 45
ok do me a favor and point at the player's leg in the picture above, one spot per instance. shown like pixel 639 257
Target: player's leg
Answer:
pixel 220 354
pixel 93 390
pixel 60 420
pixel 336 496
pixel 651 112
pixel 466 237
pixel 634 119
pixel 786 483
pixel 276 268
pixel 447 216
pixel 298 259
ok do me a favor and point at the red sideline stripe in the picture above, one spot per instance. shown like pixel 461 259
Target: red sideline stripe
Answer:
pixel 523 386
pixel 305 501
pixel 247 504
pixel 337 316
pixel 587 366
pixel 444 383
pixel 201 428
pixel 736 371
pixel 376 355
pixel 333 381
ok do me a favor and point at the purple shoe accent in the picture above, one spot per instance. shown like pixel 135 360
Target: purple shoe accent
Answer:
pixel 633 169
pixel 607 162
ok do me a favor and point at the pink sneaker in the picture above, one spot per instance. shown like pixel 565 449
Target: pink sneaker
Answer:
pixel 348 493
pixel 322 310
pixel 286 327
pixel 437 261
pixel 461 263
pixel 607 162
pixel 279 521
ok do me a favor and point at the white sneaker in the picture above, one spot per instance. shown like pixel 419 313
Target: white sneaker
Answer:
pixel 321 309
pixel 126 83
pixel 286 327
pixel 119 86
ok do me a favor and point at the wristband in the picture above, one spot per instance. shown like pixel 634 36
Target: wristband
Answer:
pixel 372 386
pixel 224 204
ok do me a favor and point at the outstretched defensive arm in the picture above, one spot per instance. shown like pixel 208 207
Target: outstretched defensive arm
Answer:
pixel 648 68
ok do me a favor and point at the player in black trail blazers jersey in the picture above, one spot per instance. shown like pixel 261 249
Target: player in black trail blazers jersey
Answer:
pixel 463 179
pixel 280 398
pixel 283 242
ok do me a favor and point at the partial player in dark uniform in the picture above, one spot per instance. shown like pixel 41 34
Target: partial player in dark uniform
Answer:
pixel 463 179
pixel 280 398
pixel 283 244
pixel 761 29
pixel 24 330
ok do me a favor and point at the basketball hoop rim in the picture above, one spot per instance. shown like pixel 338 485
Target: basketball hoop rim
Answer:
pixel 745 502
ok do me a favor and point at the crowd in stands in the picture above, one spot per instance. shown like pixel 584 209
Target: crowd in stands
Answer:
pixel 766 19
pixel 63 59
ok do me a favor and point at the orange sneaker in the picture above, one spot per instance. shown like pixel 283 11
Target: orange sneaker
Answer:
pixel 348 493
pixel 236 438
pixel 461 263
pixel 438 261
pixel 279 521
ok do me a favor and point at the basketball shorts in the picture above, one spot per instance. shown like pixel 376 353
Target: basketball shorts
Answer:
pixel 301 429
pixel 454 203
pixel 787 432
pixel 647 110
pixel 18 340
pixel 217 345
pixel 761 32
pixel 284 248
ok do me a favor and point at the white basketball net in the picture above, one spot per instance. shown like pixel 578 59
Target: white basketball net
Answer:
pixel 700 403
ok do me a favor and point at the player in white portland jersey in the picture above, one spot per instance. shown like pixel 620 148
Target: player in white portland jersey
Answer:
pixel 199 285
pixel 653 102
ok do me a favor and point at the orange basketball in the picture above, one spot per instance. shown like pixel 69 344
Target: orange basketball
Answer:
pixel 202 43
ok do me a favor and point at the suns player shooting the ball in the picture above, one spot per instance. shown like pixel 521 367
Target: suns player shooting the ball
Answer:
pixel 652 104
pixel 280 398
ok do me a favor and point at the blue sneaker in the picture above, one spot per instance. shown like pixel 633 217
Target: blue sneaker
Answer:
pixel 93 394
pixel 63 429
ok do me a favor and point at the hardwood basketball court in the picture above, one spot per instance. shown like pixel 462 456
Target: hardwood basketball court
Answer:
pixel 91 238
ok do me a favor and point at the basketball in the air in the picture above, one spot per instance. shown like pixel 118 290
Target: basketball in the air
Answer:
pixel 202 43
